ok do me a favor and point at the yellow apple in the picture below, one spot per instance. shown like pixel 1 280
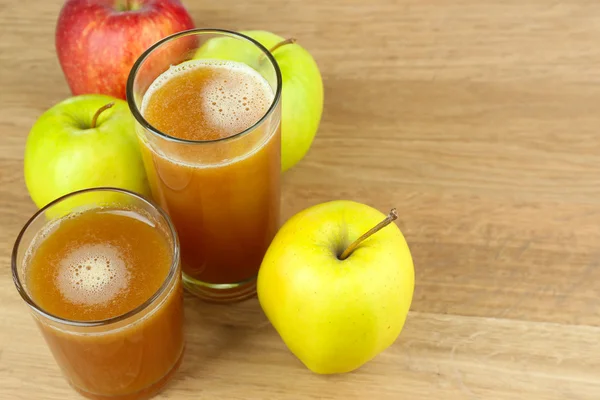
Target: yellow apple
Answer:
pixel 337 301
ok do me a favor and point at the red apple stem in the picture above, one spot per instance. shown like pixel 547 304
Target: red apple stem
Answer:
pixel 100 111
pixel 282 43
pixel 391 217
pixel 127 5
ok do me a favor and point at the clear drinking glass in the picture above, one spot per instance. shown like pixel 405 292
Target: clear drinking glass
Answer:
pixel 130 356
pixel 223 195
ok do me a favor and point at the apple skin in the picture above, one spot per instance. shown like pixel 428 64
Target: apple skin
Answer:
pixel 97 44
pixel 62 155
pixel 302 87
pixel 336 315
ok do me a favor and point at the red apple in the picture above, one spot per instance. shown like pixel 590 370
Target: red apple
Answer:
pixel 98 41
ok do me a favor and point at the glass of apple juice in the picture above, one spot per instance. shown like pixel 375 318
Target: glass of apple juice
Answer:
pixel 207 105
pixel 100 270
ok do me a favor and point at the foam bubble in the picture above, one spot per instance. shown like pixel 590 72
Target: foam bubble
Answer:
pixel 92 275
pixel 233 101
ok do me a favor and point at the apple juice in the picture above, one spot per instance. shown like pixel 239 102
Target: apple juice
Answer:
pixel 219 180
pixel 98 265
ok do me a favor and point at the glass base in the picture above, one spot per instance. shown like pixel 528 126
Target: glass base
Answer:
pixel 143 394
pixel 220 292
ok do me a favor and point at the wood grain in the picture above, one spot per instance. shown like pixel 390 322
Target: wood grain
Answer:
pixel 477 119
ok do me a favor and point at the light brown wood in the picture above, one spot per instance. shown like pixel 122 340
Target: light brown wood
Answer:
pixel 479 120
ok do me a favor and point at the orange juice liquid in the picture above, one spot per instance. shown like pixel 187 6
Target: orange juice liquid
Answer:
pixel 101 264
pixel 223 197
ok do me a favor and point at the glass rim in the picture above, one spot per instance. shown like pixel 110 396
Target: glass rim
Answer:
pixel 88 324
pixel 199 31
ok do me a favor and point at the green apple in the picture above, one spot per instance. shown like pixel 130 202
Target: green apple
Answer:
pixel 302 89
pixel 336 283
pixel 79 143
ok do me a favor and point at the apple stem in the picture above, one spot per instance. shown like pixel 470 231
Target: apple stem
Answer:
pixel 100 111
pixel 127 5
pixel 282 43
pixel 392 216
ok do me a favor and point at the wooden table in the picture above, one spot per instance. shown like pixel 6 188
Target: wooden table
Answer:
pixel 478 120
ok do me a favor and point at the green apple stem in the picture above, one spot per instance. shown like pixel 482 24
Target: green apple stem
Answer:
pixel 100 111
pixel 392 216
pixel 263 57
pixel 282 43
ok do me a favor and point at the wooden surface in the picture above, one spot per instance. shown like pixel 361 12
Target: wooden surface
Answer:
pixel 479 120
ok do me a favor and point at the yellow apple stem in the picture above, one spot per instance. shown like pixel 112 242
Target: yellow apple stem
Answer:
pixel 392 216
pixel 100 111
pixel 282 43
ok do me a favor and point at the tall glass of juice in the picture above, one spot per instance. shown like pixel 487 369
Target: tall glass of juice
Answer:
pixel 100 271
pixel 207 105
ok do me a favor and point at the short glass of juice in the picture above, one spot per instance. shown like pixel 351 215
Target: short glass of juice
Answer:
pixel 207 105
pixel 100 270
